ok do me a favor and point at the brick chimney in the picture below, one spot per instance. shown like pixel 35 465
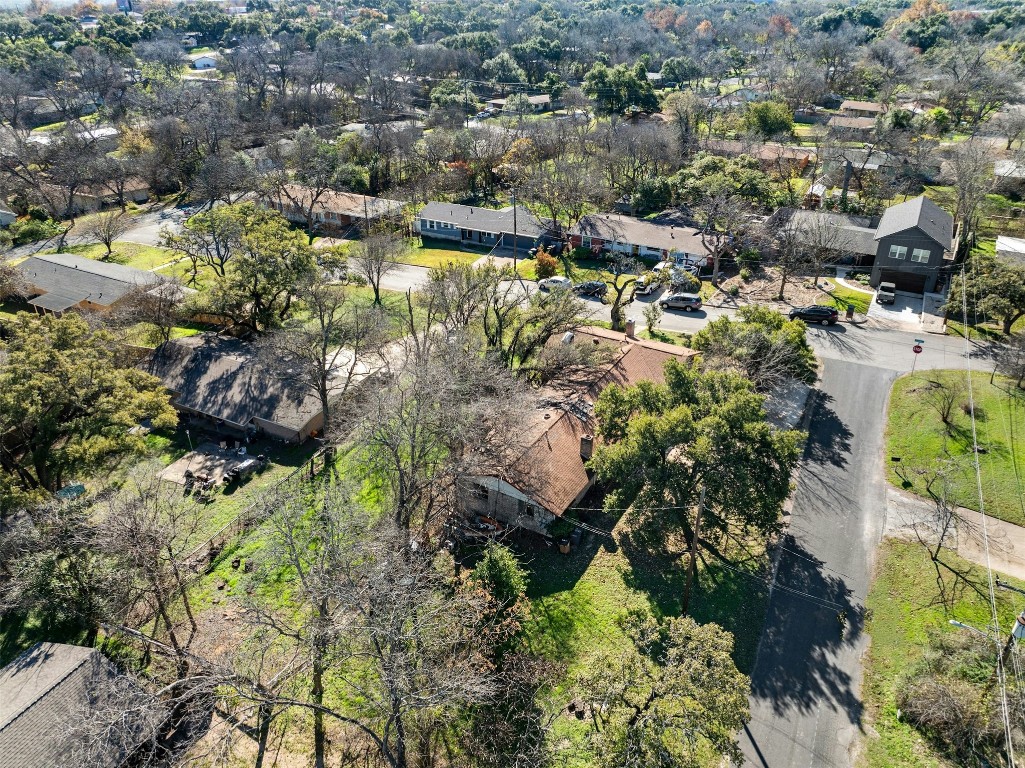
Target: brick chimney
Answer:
pixel 586 446
pixel 631 327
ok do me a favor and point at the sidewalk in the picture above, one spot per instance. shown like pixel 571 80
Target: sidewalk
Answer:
pixel 909 516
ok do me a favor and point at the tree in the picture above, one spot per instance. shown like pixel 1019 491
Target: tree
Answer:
pixel 311 171
pixel 971 165
pixel 695 452
pixel 1010 359
pixel 335 345
pixel 763 346
pixel 724 220
pixel 503 71
pixel 545 265
pixel 769 119
pixel 619 276
pixel 12 281
pixel 108 226
pixel 669 700
pixel 653 316
pixel 212 238
pixel 67 404
pixel 989 287
pixel 257 288
pixel 619 88
pixel 500 574
pixel 375 256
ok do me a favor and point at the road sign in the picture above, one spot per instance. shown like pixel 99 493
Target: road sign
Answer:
pixel 917 349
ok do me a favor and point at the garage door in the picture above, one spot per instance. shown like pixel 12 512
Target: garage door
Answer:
pixel 905 281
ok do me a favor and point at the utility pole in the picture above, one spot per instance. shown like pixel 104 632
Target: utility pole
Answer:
pixel 515 233
pixel 466 104
pixel 366 217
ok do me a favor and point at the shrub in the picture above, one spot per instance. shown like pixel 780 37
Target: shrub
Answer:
pixel 500 573
pixel 687 283
pixel 734 290
pixel 749 258
pixel 545 265
pixel 745 274
pixel 31 230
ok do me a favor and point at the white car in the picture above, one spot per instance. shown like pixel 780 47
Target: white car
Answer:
pixel 556 283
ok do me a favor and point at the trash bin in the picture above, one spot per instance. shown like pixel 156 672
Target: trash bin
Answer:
pixel 574 538
pixel 564 546
pixel 850 312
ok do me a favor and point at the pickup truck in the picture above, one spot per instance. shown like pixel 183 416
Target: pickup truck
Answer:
pixel 886 293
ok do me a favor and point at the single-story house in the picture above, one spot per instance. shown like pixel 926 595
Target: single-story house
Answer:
pixel 203 61
pixel 474 225
pixel 854 108
pixel 58 282
pixel 541 103
pixel 1009 169
pixel 7 216
pixel 333 212
pixel 852 128
pixel 1011 249
pixel 268 157
pixel 95 197
pixel 47 695
pixel 103 137
pixel 223 382
pixel 640 238
pixel 549 476
pixel 769 154
pixel 411 128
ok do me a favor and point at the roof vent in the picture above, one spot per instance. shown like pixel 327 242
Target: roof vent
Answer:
pixel 567 337
pixel 548 415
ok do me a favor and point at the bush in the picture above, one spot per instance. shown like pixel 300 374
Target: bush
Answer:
pixel 749 258
pixel 745 274
pixel 500 573
pixel 545 265
pixel 31 230
pixel 687 283
pixel 734 290
pixel 581 253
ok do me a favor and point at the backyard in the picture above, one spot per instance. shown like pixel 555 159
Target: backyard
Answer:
pixel 916 433
pixel 146 257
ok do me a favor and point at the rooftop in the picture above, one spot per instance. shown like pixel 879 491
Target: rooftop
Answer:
pixel 863 106
pixel 485 219
pixel 626 229
pixel 67 279
pixel 920 212
pixel 346 203
pixel 855 123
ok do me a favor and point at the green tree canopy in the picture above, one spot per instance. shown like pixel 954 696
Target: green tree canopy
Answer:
pixel 769 118
pixel 619 88
pixel 67 403
pixel 500 573
pixel 991 288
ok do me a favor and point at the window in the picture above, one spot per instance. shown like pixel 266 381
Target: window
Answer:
pixel 898 251
pixel 920 255
pixel 478 491
pixel 586 241
pixel 430 224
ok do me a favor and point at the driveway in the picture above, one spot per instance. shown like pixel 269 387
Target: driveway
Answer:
pixel 905 312
pixel 806 706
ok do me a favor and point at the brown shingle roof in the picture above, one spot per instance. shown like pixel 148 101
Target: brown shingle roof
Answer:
pixel 551 469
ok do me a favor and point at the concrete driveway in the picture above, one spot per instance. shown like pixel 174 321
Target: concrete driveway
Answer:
pixel 905 312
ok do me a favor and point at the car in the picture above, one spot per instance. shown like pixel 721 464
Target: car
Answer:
pixel 688 302
pixel 648 283
pixel 591 288
pixel 815 314
pixel 556 283
pixel 886 293
pixel 482 116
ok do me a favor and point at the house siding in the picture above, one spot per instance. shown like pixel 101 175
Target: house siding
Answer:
pixel 910 239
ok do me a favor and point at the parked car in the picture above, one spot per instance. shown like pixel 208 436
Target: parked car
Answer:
pixel 482 116
pixel 688 302
pixel 556 283
pixel 243 470
pixel 648 283
pixel 886 293
pixel 591 288
pixel 815 314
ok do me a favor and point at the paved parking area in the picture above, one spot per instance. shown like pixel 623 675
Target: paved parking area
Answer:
pixel 906 311
pixel 208 459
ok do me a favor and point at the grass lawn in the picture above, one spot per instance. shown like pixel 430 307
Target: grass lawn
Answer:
pixel 907 610
pixel 435 253
pixel 915 432
pixel 667 337
pixel 130 254
pixel 841 296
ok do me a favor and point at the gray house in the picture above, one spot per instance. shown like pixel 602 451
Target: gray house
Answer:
pixel 913 244
pixel 472 225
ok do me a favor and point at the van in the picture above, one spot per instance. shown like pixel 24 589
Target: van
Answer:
pixel 886 293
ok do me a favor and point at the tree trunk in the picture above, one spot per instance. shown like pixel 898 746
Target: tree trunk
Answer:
pixel 692 566
pixel 264 715
pixel 317 694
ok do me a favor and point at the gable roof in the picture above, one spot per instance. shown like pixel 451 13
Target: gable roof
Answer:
pixel 42 692
pixel 921 212
pixel 633 360
pixel 852 123
pixel 864 106
pixel 70 279
pixel 614 227
pixel 852 234
pixel 484 219
pixel 343 203
pixel 224 379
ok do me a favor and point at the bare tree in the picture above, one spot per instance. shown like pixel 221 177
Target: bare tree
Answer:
pixel 944 397
pixel 620 276
pixel 107 226
pixel 375 256
pixel 971 171
pixel 12 281
pixel 724 222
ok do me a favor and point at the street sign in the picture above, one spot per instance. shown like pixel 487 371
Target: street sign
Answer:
pixel 917 349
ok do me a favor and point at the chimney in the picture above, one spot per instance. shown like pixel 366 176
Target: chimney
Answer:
pixel 631 327
pixel 586 446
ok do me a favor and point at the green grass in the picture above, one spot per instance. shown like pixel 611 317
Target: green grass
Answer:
pixel 435 253
pixel 667 337
pixel 841 296
pixel 130 254
pixel 906 611
pixel 916 434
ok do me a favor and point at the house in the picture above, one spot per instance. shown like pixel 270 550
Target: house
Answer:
pixel 770 155
pixel 49 692
pixel 1011 249
pixel 269 157
pixel 1009 169
pixel 644 238
pixel 541 103
pixel 7 216
pixel 472 225
pixel 222 382
pixel 909 245
pixel 103 137
pixel 58 282
pixel 203 61
pixel 914 241
pixel 853 108
pixel 333 212
pixel 852 128
pixel 95 197
pixel 549 476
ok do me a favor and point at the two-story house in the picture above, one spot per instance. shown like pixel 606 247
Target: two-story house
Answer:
pixel 914 242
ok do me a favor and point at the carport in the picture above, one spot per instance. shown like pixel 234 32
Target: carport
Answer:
pixel 909 282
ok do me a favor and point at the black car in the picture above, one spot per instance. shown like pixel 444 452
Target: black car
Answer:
pixel 815 314
pixel 591 288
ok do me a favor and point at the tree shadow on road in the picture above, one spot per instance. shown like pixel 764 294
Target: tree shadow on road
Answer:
pixel 799 670
pixel 829 442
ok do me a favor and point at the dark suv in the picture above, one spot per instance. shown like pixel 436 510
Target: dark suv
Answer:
pixel 591 288
pixel 815 314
